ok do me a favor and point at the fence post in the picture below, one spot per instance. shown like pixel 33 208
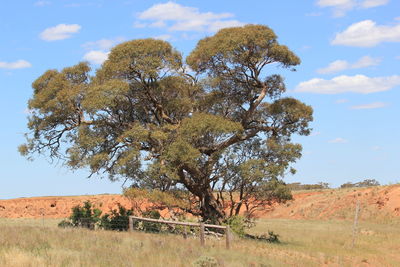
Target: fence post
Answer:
pixel 228 237
pixel 202 239
pixel 130 224
pixel 355 223
pixel 185 234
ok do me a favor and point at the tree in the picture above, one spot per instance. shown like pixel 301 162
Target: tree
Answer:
pixel 216 122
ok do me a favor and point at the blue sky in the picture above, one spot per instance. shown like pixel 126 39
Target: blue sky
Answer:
pixel 349 74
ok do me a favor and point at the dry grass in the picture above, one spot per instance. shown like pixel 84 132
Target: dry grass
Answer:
pixel 330 241
pixel 29 242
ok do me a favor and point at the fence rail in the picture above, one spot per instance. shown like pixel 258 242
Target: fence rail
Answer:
pixel 202 226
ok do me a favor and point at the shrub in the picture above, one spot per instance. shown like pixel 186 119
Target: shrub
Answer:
pixel 65 224
pixel 237 225
pixel 118 220
pixel 206 261
pixel 270 238
pixel 149 226
pixel 85 217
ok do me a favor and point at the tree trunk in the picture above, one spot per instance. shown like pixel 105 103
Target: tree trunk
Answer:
pixel 211 210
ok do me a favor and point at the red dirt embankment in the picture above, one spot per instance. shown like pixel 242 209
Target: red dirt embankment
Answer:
pixel 376 203
pixel 57 207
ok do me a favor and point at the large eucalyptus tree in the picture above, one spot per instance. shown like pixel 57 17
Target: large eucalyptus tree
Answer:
pixel 215 124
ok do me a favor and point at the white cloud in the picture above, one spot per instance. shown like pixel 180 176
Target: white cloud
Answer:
pixel 370 106
pixel 100 49
pixel 103 44
pixel 176 12
pixel 42 3
pixel 335 66
pixel 186 36
pixel 338 140
pixel 73 5
pixel 366 61
pixel 367 34
pixel 164 37
pixel 349 84
pixel 96 56
pixel 340 7
pixel 60 32
pixel 220 24
pixel 376 148
pixel 19 64
pixel 340 65
pixel 373 3
pixel 183 18
pixel 315 133
pixel 158 24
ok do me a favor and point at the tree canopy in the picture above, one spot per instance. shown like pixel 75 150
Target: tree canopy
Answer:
pixel 215 124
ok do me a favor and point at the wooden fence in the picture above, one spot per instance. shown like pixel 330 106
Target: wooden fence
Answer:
pixel 202 226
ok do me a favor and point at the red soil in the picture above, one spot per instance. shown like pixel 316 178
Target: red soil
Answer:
pixel 376 203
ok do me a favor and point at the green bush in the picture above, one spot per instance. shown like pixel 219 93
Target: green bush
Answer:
pixel 65 224
pixel 237 225
pixel 206 261
pixel 85 217
pixel 118 220
pixel 149 226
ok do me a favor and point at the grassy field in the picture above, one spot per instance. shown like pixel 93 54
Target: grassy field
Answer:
pixel 30 242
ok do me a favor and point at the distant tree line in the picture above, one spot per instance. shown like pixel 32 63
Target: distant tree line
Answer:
pixel 300 186
pixel 365 183
pixel 321 185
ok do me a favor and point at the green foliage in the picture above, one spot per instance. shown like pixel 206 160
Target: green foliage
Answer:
pixel 194 129
pixel 89 217
pixel 215 121
pixel 365 183
pixel 150 59
pixel 299 186
pixel 85 216
pixel 118 220
pixel 237 224
pixel 206 261
pixel 149 226
pixel 65 224
pixel 240 46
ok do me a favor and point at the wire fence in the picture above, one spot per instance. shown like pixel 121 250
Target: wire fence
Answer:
pixel 202 228
pixel 133 223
